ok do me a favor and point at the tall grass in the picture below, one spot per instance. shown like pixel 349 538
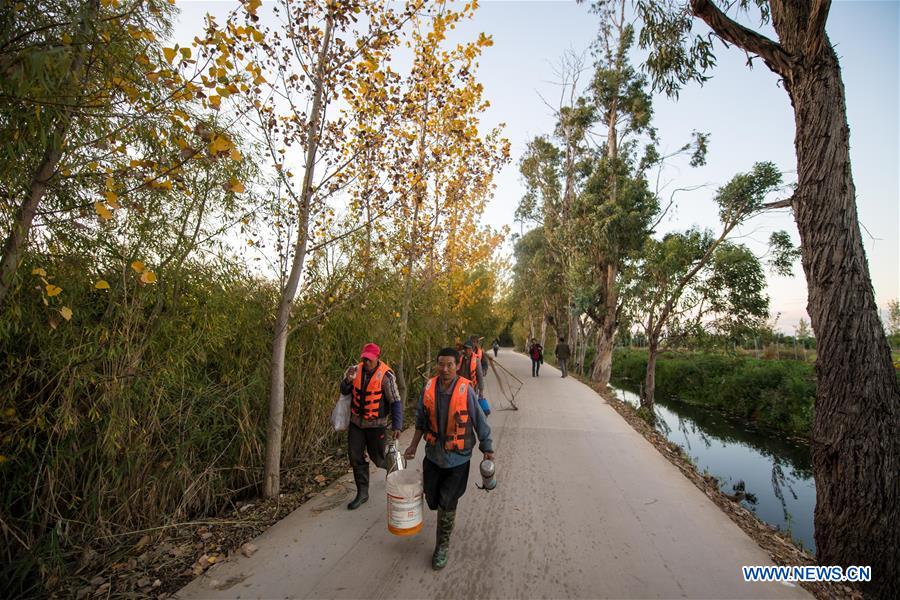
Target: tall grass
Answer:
pixel 148 407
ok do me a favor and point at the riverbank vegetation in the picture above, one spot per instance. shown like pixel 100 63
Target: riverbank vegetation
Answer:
pixel 777 394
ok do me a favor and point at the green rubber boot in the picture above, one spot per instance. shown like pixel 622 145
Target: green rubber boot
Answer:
pixel 446 519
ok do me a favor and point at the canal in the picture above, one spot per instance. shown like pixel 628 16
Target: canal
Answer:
pixel 773 471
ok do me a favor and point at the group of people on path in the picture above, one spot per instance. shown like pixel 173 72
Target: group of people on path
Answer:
pixel 449 416
pixel 536 351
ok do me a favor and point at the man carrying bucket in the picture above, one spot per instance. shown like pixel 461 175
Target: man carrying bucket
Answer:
pixel 449 418
pixel 373 389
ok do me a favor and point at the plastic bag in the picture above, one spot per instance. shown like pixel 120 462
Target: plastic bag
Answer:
pixel 340 416
pixel 485 407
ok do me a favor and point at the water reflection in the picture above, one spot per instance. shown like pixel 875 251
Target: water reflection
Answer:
pixel 771 473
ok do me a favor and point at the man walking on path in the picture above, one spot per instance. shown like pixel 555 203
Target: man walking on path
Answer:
pixel 562 355
pixel 449 418
pixel 496 347
pixel 479 352
pixel 471 369
pixel 373 388
pixel 536 351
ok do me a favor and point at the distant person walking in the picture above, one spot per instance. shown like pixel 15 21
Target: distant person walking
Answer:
pixel 563 353
pixel 374 400
pixel 496 346
pixel 536 352
pixel 449 418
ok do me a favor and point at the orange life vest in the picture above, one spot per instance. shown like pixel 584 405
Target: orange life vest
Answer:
pixel 367 403
pixel 473 369
pixel 459 435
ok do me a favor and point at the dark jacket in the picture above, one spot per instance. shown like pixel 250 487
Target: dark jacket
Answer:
pixel 536 352
pixel 562 351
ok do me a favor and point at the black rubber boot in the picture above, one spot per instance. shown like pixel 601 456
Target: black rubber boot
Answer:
pixel 446 518
pixel 361 476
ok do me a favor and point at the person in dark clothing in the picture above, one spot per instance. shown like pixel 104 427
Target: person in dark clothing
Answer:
pixel 536 352
pixel 563 353
pixel 372 386
pixel 449 418
pixel 496 347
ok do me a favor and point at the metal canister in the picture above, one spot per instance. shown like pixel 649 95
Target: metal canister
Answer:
pixel 488 475
pixel 394 460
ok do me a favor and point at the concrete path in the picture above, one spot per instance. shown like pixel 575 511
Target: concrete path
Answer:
pixel 585 508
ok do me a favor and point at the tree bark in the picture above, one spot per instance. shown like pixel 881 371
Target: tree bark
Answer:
pixel 606 338
pixel 419 199
pixel 649 394
pixel 856 428
pixel 272 473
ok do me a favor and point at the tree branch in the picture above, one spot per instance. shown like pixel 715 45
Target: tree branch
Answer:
pixel 815 33
pixel 774 55
pixel 785 203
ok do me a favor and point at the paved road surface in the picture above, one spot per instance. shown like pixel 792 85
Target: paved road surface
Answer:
pixel 585 508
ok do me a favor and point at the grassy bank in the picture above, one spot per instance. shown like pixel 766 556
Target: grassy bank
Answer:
pixel 771 393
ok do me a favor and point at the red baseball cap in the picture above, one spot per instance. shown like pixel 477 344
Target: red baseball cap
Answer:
pixel 371 351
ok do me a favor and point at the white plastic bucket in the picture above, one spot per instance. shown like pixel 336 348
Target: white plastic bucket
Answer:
pixel 405 507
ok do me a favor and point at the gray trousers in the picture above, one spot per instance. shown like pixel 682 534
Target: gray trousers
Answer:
pixel 562 366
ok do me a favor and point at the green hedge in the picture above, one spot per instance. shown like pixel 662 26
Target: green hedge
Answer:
pixel 773 393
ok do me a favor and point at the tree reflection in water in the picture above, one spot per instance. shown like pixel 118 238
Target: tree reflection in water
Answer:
pixel 770 474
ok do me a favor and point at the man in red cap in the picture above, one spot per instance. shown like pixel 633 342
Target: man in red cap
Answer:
pixel 373 389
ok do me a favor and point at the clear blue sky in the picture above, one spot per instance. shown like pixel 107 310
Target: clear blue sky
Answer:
pixel 748 115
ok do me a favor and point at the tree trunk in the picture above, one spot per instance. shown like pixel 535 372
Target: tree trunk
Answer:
pixel 272 473
pixel 856 429
pixel 419 198
pixel 650 383
pixel 606 338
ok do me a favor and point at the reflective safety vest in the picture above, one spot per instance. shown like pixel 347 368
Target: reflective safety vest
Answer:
pixel 473 369
pixel 459 435
pixel 367 403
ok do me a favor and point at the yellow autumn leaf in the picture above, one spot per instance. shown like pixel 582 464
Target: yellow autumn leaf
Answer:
pixel 112 198
pixel 3 459
pixel 253 5
pixel 215 101
pixel 102 285
pixel 53 290
pixel 101 210
pixel 219 144
pixel 236 186
pixel 39 272
pixel 66 313
pixel 66 39
pixel 138 266
pixel 235 154
pixel 185 53
pixel 169 53
pixel 148 277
